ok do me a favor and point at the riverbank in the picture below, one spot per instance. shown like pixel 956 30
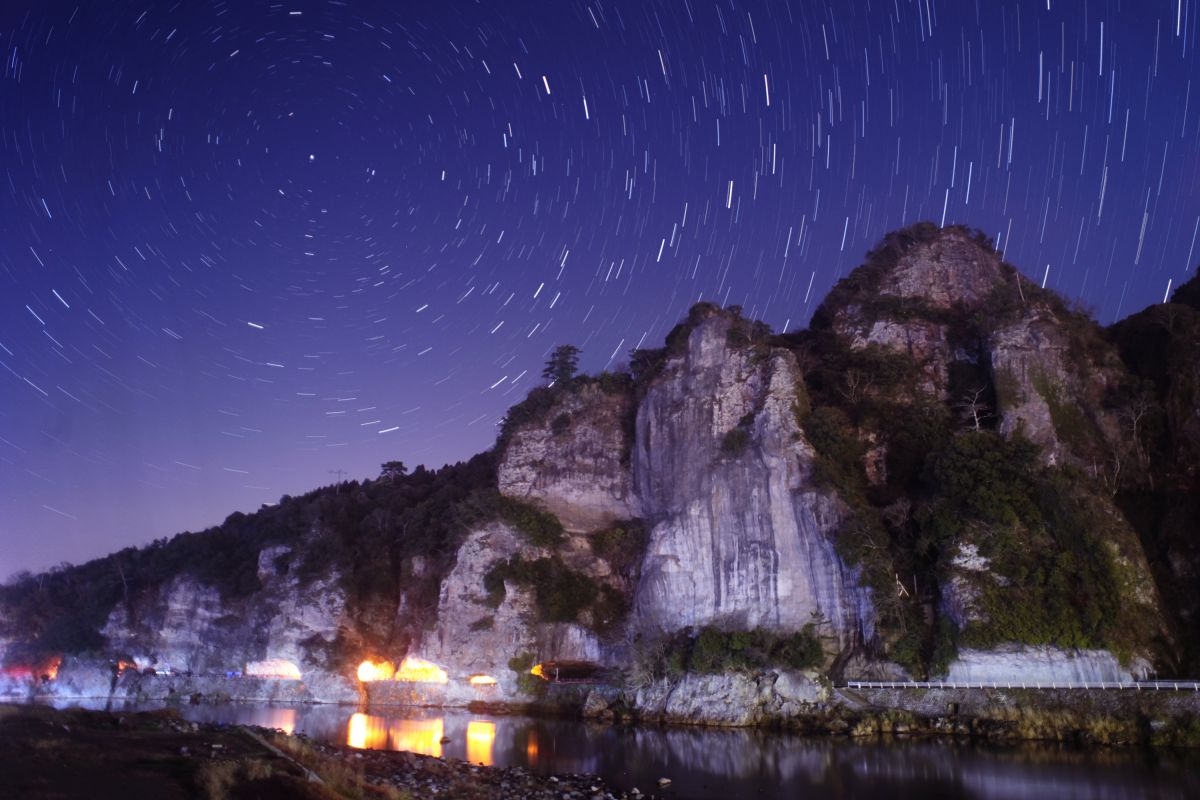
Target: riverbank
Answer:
pixel 75 753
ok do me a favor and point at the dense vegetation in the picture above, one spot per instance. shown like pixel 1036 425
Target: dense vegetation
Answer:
pixel 926 477
pixel 387 539
pixel 712 650
pixel 1158 482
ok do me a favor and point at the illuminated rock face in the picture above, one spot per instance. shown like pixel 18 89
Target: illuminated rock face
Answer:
pixel 577 466
pixel 744 536
pixel 474 638
pixel 273 668
pixel 186 628
pixel 369 671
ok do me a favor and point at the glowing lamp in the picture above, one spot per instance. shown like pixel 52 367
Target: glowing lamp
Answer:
pixel 371 671
pixel 418 670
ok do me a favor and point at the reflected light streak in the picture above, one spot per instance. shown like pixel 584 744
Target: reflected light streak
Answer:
pixel 531 749
pixel 481 737
pixel 367 732
pixel 419 736
pixel 282 718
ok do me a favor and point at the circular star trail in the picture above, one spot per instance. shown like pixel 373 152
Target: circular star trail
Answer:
pixel 248 248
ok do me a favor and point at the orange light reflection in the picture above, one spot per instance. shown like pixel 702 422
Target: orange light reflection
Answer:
pixel 367 732
pixel 481 737
pixel 419 736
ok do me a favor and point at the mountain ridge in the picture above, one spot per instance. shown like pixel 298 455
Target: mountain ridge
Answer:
pixel 949 462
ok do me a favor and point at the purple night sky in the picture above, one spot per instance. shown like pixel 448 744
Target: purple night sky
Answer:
pixel 246 244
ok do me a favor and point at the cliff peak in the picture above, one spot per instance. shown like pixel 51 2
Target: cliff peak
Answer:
pixel 937 268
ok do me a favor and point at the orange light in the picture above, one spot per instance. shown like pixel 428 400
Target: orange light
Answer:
pixel 419 736
pixel 283 719
pixel 273 668
pixel 482 680
pixel 531 749
pixel 541 673
pixel 481 736
pixel 50 668
pixel 376 671
pixel 418 670
pixel 367 732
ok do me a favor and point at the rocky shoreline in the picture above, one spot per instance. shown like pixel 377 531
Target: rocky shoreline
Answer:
pixel 46 752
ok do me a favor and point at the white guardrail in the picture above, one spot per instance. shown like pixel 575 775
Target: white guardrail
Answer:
pixel 1177 686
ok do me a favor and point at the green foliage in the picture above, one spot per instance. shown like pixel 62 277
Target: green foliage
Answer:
pixel 712 650
pixel 562 365
pixel 366 533
pixel 839 451
pixel 1073 427
pixel 393 470
pixel 1053 577
pixel 521 663
pixel 560 424
pixel 539 528
pixel 621 547
pixel 561 593
pixel 737 439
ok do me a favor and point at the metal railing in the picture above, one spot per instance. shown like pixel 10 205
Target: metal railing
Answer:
pixel 1178 686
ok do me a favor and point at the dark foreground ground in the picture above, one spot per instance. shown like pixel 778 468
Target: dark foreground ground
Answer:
pixel 48 754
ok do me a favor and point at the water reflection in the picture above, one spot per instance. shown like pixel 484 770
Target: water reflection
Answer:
pixel 706 764
pixel 418 736
pixel 481 737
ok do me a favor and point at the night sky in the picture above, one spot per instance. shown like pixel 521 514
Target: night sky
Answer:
pixel 244 244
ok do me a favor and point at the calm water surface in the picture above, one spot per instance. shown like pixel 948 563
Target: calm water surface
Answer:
pixel 725 764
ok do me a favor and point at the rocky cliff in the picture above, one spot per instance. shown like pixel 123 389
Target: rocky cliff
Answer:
pixel 942 476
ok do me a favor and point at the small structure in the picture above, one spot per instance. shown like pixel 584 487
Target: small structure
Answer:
pixel 569 672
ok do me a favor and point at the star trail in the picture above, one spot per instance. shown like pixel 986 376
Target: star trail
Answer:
pixel 250 248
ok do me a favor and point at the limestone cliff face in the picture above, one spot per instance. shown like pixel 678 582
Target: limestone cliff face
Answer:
pixel 742 536
pixel 576 467
pixel 904 307
pixel 187 627
pixel 475 638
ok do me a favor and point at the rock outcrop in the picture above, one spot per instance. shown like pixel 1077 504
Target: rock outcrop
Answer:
pixel 475 637
pixel 950 449
pixel 743 538
pixel 577 466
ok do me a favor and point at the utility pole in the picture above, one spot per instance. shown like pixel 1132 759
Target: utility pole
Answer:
pixel 338 486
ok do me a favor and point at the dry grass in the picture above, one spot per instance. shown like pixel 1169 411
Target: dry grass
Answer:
pixel 345 780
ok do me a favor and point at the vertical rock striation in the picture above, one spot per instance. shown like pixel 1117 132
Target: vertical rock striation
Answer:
pixel 741 537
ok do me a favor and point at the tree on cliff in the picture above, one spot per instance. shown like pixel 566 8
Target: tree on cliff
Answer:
pixel 562 364
pixel 393 470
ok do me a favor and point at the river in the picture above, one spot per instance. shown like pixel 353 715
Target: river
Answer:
pixel 706 764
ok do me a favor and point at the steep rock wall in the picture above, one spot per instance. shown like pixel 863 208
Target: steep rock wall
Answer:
pixel 742 537
pixel 473 638
pixel 186 626
pixel 1032 665
pixel 575 466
